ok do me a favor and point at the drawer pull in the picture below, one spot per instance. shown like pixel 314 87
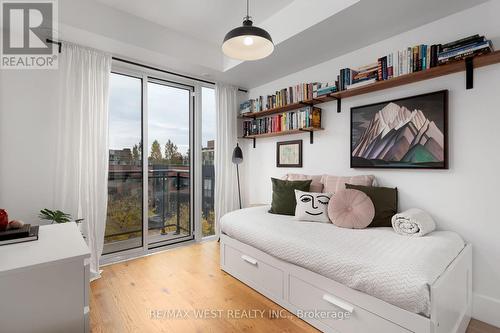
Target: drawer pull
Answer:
pixel 339 303
pixel 248 259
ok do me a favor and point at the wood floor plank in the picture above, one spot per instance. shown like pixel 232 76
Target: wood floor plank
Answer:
pixel 188 279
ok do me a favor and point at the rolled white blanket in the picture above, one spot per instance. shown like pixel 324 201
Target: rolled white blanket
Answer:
pixel 413 222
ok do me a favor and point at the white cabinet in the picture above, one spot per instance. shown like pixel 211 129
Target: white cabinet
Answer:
pixel 44 284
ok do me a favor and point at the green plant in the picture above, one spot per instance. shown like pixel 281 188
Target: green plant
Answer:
pixel 56 216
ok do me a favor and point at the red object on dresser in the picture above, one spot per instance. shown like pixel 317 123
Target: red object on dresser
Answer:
pixel 4 219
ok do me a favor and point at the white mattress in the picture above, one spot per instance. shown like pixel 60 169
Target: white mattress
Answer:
pixel 376 261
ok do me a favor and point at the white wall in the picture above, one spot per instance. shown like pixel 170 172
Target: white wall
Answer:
pixel 28 108
pixel 465 197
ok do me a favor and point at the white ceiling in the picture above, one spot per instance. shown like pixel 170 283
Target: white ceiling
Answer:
pixel 185 35
pixel 208 20
pixel 373 23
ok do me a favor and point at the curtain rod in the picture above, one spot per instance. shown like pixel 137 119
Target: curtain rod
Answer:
pixel 59 44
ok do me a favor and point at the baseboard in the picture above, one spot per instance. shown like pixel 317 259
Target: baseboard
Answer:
pixel 486 309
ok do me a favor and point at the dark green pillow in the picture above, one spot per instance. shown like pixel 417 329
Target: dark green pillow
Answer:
pixel 385 200
pixel 284 195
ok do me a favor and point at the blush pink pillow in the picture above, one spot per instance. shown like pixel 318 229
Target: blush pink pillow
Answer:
pixel 316 184
pixel 332 184
pixel 351 209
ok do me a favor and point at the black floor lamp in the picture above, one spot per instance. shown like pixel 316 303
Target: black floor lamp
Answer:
pixel 237 159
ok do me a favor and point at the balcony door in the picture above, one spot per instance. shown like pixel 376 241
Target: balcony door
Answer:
pixel 150 201
pixel 169 162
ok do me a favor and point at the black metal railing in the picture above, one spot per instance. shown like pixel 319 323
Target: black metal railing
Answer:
pixel 168 198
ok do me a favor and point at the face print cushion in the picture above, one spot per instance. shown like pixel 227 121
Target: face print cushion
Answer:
pixel 312 206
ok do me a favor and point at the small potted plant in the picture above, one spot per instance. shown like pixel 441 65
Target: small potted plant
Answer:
pixel 56 216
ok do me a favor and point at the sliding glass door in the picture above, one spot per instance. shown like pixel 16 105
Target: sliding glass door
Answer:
pixel 207 161
pixel 149 195
pixel 124 227
pixel 169 162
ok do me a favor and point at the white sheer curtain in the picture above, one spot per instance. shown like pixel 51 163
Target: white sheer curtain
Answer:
pixel 82 152
pixel 226 190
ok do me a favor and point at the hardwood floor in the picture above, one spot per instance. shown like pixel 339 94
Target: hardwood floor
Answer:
pixel 167 291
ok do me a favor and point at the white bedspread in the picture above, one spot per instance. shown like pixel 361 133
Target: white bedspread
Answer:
pixel 376 261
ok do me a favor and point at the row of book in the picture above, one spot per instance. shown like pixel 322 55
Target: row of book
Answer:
pixel 409 60
pixel 350 78
pixel 466 47
pixel 302 118
pixel 413 59
pixel 290 95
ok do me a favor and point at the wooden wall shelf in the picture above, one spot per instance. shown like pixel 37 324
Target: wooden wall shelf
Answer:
pixel 454 67
pixel 309 130
pixel 288 107
pixel 466 65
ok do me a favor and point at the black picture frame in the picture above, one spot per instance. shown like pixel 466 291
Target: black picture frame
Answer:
pixel 437 113
pixel 298 143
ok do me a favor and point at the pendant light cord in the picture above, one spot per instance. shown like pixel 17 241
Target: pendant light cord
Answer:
pixel 248 16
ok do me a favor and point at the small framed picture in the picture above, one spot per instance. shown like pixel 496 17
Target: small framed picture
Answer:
pixel 289 154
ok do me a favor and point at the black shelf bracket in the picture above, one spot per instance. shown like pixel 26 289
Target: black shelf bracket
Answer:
pixel 339 104
pixel 469 73
pixel 254 141
pixel 311 135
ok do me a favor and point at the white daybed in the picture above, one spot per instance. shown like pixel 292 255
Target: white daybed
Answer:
pixel 384 281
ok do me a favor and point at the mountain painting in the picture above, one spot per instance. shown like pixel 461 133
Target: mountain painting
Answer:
pixel 409 133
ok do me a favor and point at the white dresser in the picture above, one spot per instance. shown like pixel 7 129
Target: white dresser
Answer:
pixel 44 284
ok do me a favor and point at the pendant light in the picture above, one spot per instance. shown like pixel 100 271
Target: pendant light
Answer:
pixel 247 42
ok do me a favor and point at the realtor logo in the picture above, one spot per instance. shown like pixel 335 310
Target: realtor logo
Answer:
pixel 26 26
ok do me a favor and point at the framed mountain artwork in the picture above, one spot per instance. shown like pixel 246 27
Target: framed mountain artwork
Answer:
pixel 407 133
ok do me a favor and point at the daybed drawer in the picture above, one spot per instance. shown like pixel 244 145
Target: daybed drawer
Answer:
pixel 250 268
pixel 310 298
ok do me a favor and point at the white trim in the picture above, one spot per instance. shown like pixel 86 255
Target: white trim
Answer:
pixel 486 309
pixel 209 238
pixel 131 255
pixel 144 156
pixel 197 179
pixel 450 294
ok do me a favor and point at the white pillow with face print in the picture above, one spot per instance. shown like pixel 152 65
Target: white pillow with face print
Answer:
pixel 312 206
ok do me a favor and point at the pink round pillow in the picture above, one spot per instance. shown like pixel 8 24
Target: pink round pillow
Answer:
pixel 351 209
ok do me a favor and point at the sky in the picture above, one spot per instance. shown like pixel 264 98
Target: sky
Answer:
pixel 168 109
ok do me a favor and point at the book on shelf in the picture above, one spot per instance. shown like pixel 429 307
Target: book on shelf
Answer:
pixel 281 98
pixel 408 60
pixel 461 42
pixel 463 51
pixel 291 95
pixel 301 118
pixel 325 90
pixel 348 76
pixel 413 59
pixel 361 83
pixel 25 234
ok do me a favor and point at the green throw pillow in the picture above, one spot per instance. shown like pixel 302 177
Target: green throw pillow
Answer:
pixel 284 195
pixel 385 200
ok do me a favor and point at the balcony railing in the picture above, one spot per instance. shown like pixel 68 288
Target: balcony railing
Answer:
pixel 168 201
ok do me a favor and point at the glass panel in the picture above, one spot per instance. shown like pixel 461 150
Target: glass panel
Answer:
pixel 169 185
pixel 207 152
pixel 124 218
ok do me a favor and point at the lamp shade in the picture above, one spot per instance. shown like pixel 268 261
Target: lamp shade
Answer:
pixel 247 42
pixel 237 155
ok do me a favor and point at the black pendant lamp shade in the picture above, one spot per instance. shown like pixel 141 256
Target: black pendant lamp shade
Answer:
pixel 247 42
